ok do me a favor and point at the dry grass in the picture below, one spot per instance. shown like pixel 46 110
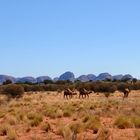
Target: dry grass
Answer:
pixel 137 134
pixel 50 116
pixel 7 130
pixel 34 119
pixel 123 122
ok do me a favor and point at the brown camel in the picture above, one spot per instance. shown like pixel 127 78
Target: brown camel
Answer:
pixel 84 93
pixel 68 94
pixel 126 93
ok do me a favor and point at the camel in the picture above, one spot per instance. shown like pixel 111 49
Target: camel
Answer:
pixel 84 93
pixel 68 93
pixel 126 93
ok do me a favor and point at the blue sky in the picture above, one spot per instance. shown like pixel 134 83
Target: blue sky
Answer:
pixel 49 37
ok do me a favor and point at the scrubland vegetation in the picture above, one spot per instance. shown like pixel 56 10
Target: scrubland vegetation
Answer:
pixel 39 112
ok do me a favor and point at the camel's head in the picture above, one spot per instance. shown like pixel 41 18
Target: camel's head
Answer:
pixel 127 90
pixel 74 93
pixel 90 92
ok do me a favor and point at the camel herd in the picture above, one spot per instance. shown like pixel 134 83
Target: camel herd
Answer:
pixel 68 94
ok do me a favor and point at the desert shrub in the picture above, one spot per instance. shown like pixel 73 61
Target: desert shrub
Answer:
pixel 68 110
pixel 35 137
pixel 14 91
pixel 92 122
pixel 49 111
pixel 60 126
pixel 12 120
pixel 2 114
pixel 53 111
pixel 62 82
pixel 59 113
pixel 136 86
pixel 11 133
pixel 46 127
pixel 104 87
pixel 107 94
pixel 123 122
pixel 20 115
pixel 96 86
pixel 28 88
pixel 136 121
pixel 76 127
pixel 1 89
pixel 7 82
pixel 67 133
pixel 36 88
pixel 51 87
pixel 79 85
pixel 67 113
pixel 3 129
pixel 6 129
pixel 35 118
pixel 122 86
pixel 48 82
pixel 104 134
pixel 137 134
pixel 100 86
pixel 107 87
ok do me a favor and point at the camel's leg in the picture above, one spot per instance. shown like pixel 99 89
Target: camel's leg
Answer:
pixel 85 95
pixel 67 97
pixel 124 95
pixel 127 94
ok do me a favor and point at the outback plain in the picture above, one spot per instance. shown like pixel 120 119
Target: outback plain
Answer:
pixel 46 115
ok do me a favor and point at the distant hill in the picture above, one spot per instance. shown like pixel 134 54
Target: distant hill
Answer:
pixel 117 77
pixel 3 78
pixel 41 79
pixel 127 77
pixel 86 78
pixel 103 76
pixel 91 77
pixel 27 79
pixel 55 79
pixel 83 78
pixel 67 76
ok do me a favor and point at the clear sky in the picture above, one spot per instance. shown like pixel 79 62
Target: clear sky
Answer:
pixel 49 37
